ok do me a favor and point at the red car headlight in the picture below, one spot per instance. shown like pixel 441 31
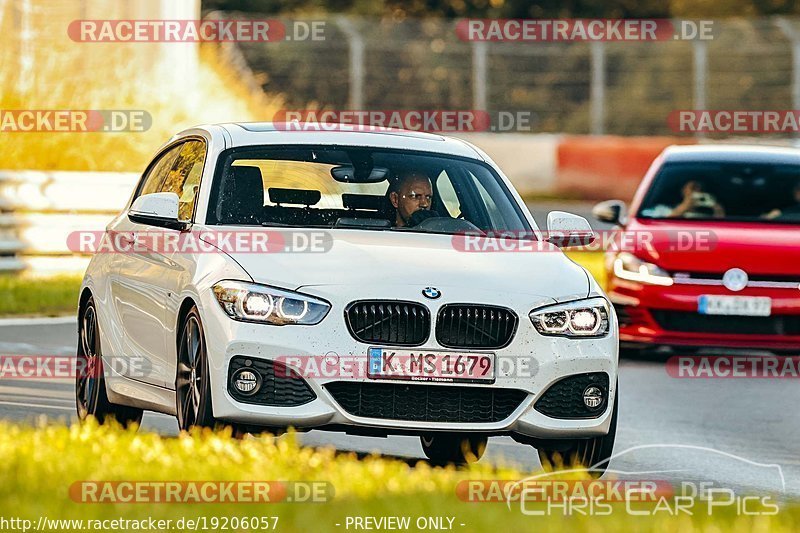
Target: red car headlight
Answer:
pixel 629 267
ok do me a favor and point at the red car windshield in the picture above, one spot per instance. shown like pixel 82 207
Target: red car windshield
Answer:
pixel 725 191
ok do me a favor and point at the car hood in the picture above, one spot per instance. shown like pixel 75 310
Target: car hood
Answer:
pixel 373 258
pixel 757 248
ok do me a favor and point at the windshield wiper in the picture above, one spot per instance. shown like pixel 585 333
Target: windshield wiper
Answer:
pixel 284 225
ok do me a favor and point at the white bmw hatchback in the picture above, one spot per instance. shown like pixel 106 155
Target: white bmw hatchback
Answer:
pixel 371 282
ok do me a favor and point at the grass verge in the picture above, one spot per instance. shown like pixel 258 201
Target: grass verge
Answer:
pixel 48 296
pixel 40 464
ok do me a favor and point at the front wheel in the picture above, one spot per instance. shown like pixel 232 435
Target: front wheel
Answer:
pixel 192 381
pixel 91 398
pixel 455 448
pixel 591 453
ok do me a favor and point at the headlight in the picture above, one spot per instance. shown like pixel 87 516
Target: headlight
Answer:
pixel 251 302
pixel 584 318
pixel 628 266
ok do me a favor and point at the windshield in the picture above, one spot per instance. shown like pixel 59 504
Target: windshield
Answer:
pixel 339 187
pixel 725 191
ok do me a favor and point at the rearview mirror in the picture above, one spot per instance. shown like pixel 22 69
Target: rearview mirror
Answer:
pixel 566 230
pixel 157 209
pixel 349 174
pixel 611 211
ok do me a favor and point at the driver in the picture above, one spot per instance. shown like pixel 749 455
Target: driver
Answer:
pixel 411 193
pixel 791 212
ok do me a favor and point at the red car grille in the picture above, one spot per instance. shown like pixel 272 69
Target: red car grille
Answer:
pixel 744 325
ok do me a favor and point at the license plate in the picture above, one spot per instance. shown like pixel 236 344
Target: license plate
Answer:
pixel 424 365
pixel 709 304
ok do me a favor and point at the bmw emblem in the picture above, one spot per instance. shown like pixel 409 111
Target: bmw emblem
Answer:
pixel 431 292
pixel 735 279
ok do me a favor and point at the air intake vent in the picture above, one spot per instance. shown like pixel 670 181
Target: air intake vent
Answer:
pixel 426 403
pixel 475 326
pixel 388 322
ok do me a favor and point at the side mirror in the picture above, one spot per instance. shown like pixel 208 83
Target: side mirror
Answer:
pixel 566 230
pixel 611 211
pixel 157 209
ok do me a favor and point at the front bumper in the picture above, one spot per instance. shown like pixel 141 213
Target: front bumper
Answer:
pixel 549 359
pixel 654 316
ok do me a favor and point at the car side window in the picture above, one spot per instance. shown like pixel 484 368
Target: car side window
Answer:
pixel 496 217
pixel 447 194
pixel 184 177
pixel 155 175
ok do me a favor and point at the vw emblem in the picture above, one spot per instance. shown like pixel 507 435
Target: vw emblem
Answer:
pixel 735 279
pixel 431 292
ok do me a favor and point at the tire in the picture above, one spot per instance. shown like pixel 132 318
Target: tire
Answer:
pixel 591 453
pixel 455 448
pixel 91 398
pixel 192 381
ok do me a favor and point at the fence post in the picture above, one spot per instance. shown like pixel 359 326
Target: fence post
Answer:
pixel 700 49
pixel 355 43
pixel 794 37
pixel 598 88
pixel 180 61
pixel 24 81
pixel 480 54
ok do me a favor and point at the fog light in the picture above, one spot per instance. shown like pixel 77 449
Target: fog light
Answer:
pixel 593 397
pixel 246 381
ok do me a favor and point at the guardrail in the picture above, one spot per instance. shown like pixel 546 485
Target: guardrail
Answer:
pixel 39 209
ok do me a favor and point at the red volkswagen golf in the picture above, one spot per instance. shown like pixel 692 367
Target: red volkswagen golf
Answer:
pixel 708 255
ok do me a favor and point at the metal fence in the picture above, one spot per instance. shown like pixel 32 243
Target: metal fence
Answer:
pixel 39 210
pixel 626 88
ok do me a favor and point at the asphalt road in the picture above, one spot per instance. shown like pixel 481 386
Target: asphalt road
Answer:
pixel 669 429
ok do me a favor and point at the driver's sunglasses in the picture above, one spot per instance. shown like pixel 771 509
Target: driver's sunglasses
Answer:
pixel 417 196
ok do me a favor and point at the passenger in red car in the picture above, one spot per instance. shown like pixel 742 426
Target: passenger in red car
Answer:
pixel 697 203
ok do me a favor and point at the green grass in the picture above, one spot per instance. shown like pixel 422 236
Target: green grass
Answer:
pixel 41 463
pixel 29 295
